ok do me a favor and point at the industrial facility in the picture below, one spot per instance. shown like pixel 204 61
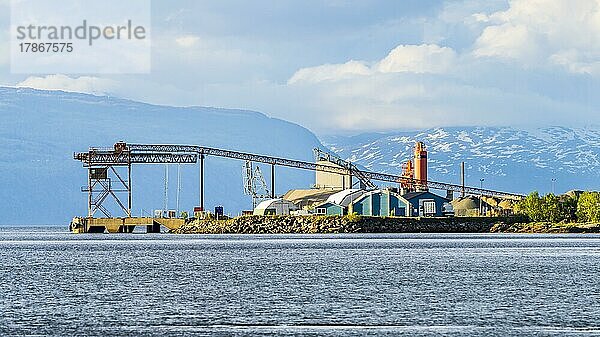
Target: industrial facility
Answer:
pixel 339 195
pixel 340 188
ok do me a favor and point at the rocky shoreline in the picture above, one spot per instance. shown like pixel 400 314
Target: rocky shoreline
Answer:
pixel 546 227
pixel 360 224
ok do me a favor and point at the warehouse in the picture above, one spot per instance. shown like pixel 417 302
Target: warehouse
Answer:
pixel 274 207
pixel 426 203
pixel 381 203
pixel 329 208
pixel 338 203
pixel 308 198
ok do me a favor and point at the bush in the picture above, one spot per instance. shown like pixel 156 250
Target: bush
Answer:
pixel 588 207
pixel 568 208
pixel 549 208
pixel 352 217
pixel 531 206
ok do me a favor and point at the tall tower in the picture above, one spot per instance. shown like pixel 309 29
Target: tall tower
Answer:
pixel 421 166
pixel 408 172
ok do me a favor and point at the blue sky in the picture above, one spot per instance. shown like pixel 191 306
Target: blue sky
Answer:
pixel 353 66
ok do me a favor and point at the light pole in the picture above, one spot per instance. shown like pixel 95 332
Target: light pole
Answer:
pixel 553 184
pixel 481 196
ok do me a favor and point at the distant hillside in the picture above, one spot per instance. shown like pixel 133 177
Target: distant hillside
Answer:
pixel 507 158
pixel 39 131
pixel 41 183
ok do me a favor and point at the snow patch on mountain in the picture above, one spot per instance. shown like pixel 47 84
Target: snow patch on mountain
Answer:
pixel 507 158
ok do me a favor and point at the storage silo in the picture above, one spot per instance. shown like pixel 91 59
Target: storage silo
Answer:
pixel 421 166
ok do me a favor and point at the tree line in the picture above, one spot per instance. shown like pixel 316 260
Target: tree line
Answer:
pixel 560 208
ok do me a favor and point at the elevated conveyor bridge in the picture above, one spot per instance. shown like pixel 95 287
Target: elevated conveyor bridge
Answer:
pixel 102 162
pixel 276 161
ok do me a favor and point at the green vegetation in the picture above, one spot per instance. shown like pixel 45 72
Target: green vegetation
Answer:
pixel 564 208
pixel 352 217
pixel 588 207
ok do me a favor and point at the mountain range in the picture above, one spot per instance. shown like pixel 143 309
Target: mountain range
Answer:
pixel 40 183
pixel 510 159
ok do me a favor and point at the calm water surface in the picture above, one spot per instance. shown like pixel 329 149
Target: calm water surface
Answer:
pixel 57 284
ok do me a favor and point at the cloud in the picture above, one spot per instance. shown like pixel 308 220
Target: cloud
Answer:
pixel 187 41
pixel 506 75
pixel 83 84
pixel 465 62
pixel 408 100
pixel 418 59
pixel 425 58
pixel 544 33
pixel 329 72
pixel 507 41
pixel 426 85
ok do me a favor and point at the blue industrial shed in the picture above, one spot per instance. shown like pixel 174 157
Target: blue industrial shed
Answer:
pixel 329 208
pixel 383 203
pixel 426 203
pixel 380 203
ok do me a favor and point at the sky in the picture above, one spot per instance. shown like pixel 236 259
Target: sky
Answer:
pixel 346 67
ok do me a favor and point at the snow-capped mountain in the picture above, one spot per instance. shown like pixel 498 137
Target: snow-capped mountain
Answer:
pixel 41 183
pixel 40 130
pixel 510 159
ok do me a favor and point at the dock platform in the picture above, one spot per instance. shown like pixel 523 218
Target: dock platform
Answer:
pixel 122 225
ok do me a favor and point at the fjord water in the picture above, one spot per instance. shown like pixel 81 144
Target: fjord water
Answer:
pixel 59 284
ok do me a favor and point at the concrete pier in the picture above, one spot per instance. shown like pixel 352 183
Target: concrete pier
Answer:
pixel 123 225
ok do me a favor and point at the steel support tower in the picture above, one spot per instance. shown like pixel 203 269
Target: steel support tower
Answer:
pixel 255 184
pixel 106 179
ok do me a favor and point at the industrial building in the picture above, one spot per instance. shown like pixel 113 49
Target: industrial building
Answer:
pixel 426 203
pixel 339 203
pixel 275 207
pixel 309 198
pixel 332 181
pixel 109 177
pixel 385 203
pixel 381 203
pixel 412 198
pixel 330 208
pixel 333 193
